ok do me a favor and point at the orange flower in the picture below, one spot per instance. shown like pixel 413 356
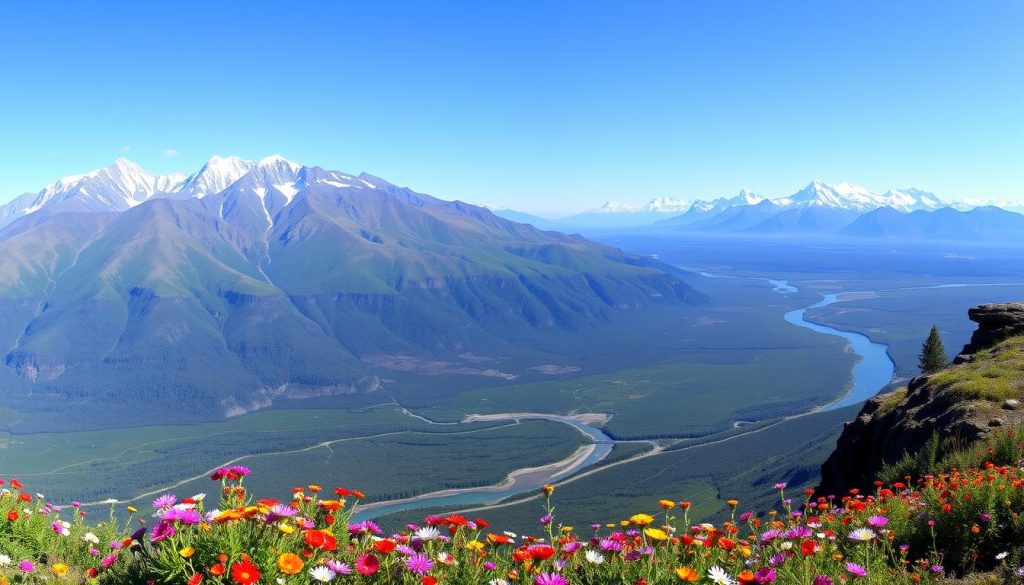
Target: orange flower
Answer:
pixel 217 570
pixel 745 578
pixel 289 563
pixel 687 574
pixel 319 539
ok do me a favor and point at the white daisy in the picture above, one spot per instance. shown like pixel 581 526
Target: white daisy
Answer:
pixel 719 576
pixel 427 533
pixel 594 557
pixel 322 574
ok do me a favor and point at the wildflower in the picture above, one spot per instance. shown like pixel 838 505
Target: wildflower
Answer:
pixel 187 552
pixel 164 501
pixel 878 521
pixel 641 519
pixel 245 572
pixel 666 504
pixel 367 564
pixel 656 534
pixel 60 569
pixel 687 574
pixel 719 576
pixel 322 574
pixel 26 566
pixel 339 568
pixel 549 579
pixel 856 570
pixel 419 564
pixel 765 575
pixel 319 539
pixel 289 563
pixel 546 519
pixel 548 489
pixel 427 533
pixel 780 486
pixel 91 538
pixel 5 561
pixel 61 528
pixel 108 560
pixel 594 557
pixel 1002 555
pixel 821 580
pixel 862 534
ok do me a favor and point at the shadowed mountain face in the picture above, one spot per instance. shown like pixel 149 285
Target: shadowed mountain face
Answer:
pixel 290 282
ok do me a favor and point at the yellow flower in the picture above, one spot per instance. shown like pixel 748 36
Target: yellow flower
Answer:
pixel 60 569
pixel 656 534
pixel 732 503
pixel 641 519
pixel 667 504
pixel 132 509
pixel 567 529
pixel 4 580
pixel 745 551
pixel 687 574
pixel 285 528
pixel 474 545
pixel 548 489
pixel 187 552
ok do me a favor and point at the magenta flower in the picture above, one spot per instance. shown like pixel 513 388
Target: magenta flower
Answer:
pixel 26 566
pixel 878 521
pixel 162 530
pixel 419 564
pixel 108 560
pixel 549 579
pixel 822 580
pixel 164 501
pixel 856 570
pixel 765 575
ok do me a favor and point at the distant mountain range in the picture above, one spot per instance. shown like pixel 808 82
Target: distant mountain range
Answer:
pixel 840 209
pixel 219 292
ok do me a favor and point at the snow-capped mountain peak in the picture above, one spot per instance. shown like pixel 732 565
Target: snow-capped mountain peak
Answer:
pixel 216 175
pixel 278 161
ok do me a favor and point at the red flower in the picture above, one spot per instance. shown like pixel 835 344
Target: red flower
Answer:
pixel 367 564
pixel 319 539
pixel 196 579
pixel 245 572
pixel 15 484
pixel 808 547
pixel 428 580
pixel 217 570
pixel 384 546
pixel 12 515
pixel 541 552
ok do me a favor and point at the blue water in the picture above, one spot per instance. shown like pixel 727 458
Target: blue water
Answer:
pixel 524 483
pixel 873 372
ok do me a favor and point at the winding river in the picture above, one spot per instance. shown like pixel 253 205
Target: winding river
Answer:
pixel 873 371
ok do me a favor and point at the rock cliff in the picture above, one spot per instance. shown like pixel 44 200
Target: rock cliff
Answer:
pixel 981 390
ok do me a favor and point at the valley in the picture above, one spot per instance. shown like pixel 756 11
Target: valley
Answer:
pixel 681 401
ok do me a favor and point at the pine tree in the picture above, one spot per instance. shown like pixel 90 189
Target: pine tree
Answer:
pixel 933 354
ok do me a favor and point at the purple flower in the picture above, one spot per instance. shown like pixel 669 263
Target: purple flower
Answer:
pixel 985 517
pixel 419 564
pixel 164 501
pixel 278 511
pixel 799 532
pixel 365 526
pixel 769 535
pixel 745 516
pixel 878 521
pixel 765 574
pixel 778 558
pixel 26 566
pixel 780 486
pixel 609 545
pixel 339 568
pixel 108 560
pixel 938 568
pixel 546 519
pixel 856 570
pixel 572 546
pixel 549 579
pixel 490 566
pixel 162 530
pixel 821 580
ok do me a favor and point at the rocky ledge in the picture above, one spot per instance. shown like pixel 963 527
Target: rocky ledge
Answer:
pixel 981 390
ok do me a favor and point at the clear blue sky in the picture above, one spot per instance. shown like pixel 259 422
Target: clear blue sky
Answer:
pixel 543 106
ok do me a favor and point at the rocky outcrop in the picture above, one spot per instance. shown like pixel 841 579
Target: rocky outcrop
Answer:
pixel 996 322
pixel 899 422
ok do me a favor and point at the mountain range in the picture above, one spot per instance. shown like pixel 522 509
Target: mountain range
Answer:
pixel 839 210
pixel 246 282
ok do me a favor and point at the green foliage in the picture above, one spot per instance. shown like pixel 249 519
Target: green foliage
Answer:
pixel 995 374
pixel 933 355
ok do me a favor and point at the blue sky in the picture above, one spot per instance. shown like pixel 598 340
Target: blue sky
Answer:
pixel 542 106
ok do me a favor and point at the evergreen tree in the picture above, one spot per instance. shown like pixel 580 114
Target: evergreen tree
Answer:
pixel 933 354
